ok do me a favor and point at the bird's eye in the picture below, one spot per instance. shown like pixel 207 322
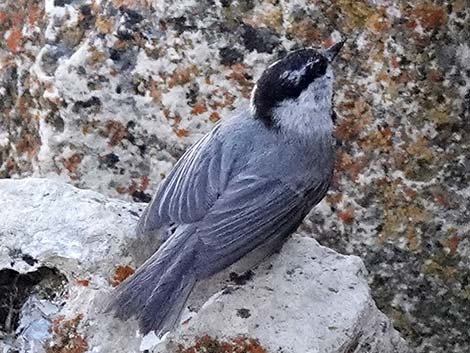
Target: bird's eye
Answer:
pixel 317 69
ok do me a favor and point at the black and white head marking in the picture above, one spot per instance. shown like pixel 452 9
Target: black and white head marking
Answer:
pixel 295 90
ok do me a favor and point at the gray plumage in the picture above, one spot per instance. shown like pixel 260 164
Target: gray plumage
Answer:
pixel 249 182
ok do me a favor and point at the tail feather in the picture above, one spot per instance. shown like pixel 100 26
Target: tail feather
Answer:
pixel 155 295
pixel 162 318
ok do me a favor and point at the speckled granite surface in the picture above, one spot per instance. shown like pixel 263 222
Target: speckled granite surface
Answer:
pixel 108 94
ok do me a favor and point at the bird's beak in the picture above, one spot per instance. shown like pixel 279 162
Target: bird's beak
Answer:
pixel 331 52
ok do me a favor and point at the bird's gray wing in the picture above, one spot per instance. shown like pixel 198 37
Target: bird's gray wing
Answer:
pixel 190 189
pixel 250 212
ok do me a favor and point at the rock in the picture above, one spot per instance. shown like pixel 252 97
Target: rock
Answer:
pixel 35 324
pixel 82 81
pixel 307 298
pixel 59 246
pixel 230 56
pixel 262 40
pixel 80 232
pixel 66 248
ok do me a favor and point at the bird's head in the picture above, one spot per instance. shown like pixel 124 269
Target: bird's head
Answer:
pixel 296 85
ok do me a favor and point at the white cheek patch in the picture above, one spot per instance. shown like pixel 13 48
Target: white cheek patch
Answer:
pixel 311 111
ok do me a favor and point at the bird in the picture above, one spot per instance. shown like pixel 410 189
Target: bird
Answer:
pixel 245 185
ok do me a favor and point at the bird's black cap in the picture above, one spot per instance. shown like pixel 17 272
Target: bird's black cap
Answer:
pixel 288 77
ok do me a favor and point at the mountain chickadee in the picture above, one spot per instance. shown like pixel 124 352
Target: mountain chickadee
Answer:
pixel 245 185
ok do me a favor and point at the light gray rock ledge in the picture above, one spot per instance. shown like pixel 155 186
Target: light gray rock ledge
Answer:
pixel 306 299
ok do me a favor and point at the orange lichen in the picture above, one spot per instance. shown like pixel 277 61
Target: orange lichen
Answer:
pixel 452 243
pixel 34 13
pixel 116 131
pixel 199 108
pixel 430 16
pixel 306 30
pixel 181 132
pixel 95 57
pixel 379 140
pixel 378 22
pixel 128 189
pixel 65 337
pixel 327 42
pixel 349 165
pixel 120 274
pixel 334 199
pixel 144 182
pixel 11 165
pixel 103 25
pixel 346 216
pixel 359 115
pixel 71 163
pixel 207 344
pixel 121 189
pixel 83 282
pixel 347 130
pixel 411 24
pixel 166 112
pixel 221 99
pixel 214 117
pixel 28 143
pixel 182 76
pixel 155 92
pixel 13 40
pixel 238 75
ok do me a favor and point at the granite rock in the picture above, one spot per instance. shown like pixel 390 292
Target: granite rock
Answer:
pixel 108 94
pixel 70 248
pixel 307 298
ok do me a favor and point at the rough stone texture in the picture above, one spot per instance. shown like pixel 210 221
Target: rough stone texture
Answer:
pixel 307 298
pixel 79 231
pixel 107 95
pixel 58 245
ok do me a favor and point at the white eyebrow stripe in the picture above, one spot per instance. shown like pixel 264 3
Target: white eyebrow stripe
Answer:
pixel 297 74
